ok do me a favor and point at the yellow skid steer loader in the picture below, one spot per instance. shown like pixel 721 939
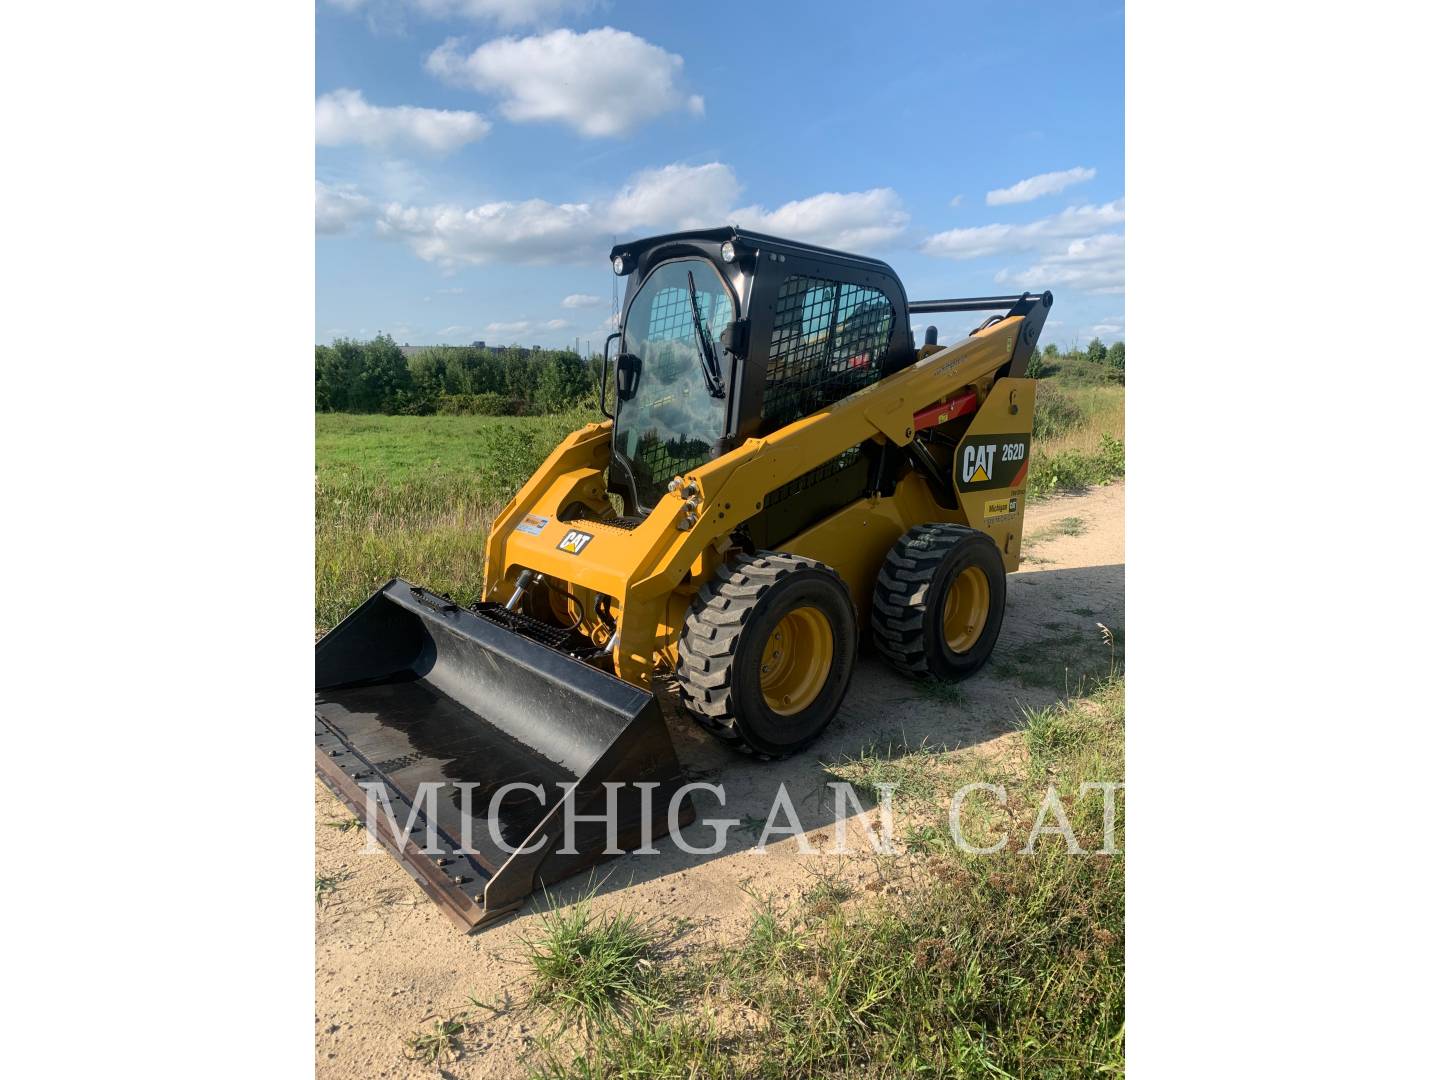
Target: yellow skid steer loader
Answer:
pixel 780 468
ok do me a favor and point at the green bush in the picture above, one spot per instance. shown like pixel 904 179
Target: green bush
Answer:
pixel 1071 470
pixel 514 454
pixel 1116 359
pixel 377 377
pixel 488 404
pixel 1055 412
pixel 1077 371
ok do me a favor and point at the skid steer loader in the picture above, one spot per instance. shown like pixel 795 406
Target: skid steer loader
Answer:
pixel 781 468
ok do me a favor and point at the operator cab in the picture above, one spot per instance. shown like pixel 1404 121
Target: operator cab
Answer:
pixel 727 334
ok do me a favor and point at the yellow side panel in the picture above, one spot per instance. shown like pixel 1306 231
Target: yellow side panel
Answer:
pixel 991 465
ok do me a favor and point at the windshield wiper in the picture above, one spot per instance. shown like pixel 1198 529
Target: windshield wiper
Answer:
pixel 709 366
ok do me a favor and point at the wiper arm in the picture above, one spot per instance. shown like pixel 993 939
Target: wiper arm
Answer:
pixel 709 366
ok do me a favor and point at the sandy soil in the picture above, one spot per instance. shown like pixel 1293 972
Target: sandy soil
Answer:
pixel 387 962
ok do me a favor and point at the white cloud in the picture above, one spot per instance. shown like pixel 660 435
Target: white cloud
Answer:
pixel 581 300
pixel 1050 183
pixel 683 196
pixel 856 220
pixel 337 208
pixel 536 231
pixel 518 327
pixel 976 241
pixel 957 200
pixel 526 326
pixel 1093 264
pixel 533 231
pixel 601 82
pixel 653 200
pixel 505 13
pixel 344 118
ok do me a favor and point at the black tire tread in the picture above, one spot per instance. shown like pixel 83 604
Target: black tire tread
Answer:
pixel 901 589
pixel 711 636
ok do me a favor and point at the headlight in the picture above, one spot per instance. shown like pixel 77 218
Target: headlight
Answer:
pixel 727 251
pixel 619 264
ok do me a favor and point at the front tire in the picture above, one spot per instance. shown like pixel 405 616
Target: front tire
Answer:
pixel 767 653
pixel 939 602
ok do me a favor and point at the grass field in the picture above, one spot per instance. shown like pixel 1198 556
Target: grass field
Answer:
pixel 1008 964
pixel 414 496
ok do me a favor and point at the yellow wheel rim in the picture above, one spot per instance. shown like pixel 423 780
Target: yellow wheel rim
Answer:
pixel 796 661
pixel 967 605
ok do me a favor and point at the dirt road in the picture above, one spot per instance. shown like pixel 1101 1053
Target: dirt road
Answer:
pixel 386 959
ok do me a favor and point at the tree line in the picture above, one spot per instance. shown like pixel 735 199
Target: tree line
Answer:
pixel 1108 364
pixel 377 377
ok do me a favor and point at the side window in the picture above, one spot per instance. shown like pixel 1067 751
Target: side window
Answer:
pixel 829 340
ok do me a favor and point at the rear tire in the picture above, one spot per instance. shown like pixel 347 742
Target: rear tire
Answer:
pixel 767 653
pixel 939 602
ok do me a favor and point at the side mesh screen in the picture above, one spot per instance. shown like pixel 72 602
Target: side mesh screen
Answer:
pixel 828 341
pixel 821 472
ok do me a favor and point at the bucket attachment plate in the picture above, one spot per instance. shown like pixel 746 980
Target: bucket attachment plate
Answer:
pixel 429 711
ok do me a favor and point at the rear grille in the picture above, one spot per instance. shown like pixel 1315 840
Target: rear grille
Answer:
pixel 841 461
pixel 590 518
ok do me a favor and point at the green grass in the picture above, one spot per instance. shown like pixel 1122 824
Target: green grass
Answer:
pixel 325 884
pixel 436 1044
pixel 910 774
pixel 414 496
pixel 1071 661
pixel 925 839
pixel 827 894
pixel 590 967
pixel 1079 435
pixel 1006 965
pixel 1070 526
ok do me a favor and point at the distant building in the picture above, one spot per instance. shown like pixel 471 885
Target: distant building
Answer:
pixel 409 350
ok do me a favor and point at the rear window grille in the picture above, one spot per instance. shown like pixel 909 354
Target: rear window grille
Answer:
pixel 829 340
pixel 821 472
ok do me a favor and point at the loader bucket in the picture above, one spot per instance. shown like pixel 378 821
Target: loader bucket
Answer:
pixel 433 709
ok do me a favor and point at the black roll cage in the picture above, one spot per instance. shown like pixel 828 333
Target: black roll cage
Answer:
pixel 755 276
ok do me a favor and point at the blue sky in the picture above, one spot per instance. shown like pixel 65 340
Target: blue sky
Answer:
pixel 475 158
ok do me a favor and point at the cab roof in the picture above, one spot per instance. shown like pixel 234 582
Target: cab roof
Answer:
pixel 746 238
